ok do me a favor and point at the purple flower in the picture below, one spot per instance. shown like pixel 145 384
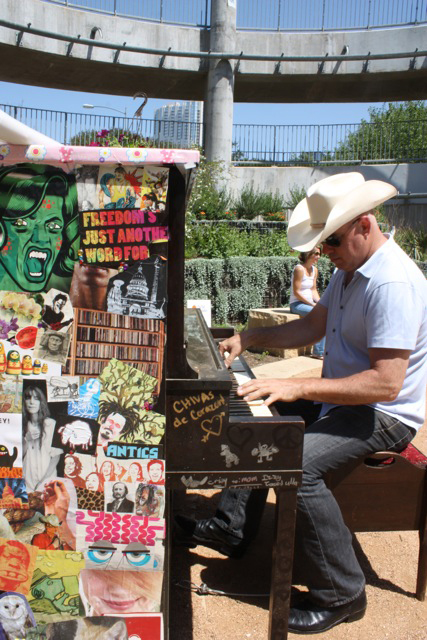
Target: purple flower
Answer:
pixel 3 330
pixel 7 327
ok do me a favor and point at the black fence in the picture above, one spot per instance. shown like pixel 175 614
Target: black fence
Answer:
pixel 388 142
pixel 268 15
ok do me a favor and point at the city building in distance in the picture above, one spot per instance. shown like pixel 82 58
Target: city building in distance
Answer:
pixel 180 123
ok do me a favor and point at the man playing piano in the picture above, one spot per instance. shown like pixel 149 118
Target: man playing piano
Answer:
pixel 371 395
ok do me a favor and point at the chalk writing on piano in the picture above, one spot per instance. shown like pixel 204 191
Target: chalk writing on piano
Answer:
pixel 218 482
pixel 192 483
pixel 231 458
pixel 204 410
pixel 264 451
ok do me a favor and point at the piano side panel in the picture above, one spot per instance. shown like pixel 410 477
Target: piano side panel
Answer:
pixel 176 361
pixel 211 450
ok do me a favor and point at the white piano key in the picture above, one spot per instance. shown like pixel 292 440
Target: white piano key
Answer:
pixel 241 375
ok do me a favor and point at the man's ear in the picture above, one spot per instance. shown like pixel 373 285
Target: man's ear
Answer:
pixel 365 223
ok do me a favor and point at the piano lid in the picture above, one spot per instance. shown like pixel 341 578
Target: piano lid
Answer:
pixel 202 351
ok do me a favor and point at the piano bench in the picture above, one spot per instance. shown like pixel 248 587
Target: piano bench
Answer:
pixel 387 491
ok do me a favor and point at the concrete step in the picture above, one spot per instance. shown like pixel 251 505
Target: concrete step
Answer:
pixel 270 318
pixel 299 367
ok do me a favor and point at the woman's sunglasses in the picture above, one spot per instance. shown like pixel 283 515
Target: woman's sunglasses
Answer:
pixel 335 241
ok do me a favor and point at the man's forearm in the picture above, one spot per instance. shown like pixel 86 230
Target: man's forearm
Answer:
pixel 361 388
pixel 381 383
pixel 297 333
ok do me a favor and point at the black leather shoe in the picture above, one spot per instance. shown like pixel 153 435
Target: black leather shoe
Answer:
pixel 191 533
pixel 309 618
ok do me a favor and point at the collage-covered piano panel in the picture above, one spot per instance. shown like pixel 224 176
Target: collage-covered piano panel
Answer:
pixel 83 303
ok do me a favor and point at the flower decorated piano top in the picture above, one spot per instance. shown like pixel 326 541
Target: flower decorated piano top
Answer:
pixel 57 154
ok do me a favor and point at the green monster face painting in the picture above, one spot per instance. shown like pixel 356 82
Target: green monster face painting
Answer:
pixel 34 246
pixel 39 226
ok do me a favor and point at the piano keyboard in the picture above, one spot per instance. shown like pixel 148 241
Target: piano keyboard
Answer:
pixel 240 373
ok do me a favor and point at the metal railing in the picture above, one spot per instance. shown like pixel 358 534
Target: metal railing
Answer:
pixel 404 141
pixel 269 15
pixel 84 129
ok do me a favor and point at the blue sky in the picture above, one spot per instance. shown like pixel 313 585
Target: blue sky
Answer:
pixel 244 113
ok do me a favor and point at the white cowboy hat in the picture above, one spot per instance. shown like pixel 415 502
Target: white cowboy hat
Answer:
pixel 51 519
pixel 332 202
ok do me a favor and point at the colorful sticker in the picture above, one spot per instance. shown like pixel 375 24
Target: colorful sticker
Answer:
pixel 54 593
pixel 140 291
pixel 38 228
pixel 52 346
pixel 17 562
pixel 120 592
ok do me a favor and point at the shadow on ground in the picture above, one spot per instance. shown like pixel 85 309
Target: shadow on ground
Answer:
pixel 245 580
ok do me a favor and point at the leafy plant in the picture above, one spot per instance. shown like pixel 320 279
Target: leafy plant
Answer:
pixel 395 131
pixel 296 194
pixel 277 216
pixel 237 284
pixel 209 200
pixel 222 241
pixel 251 203
pixel 414 243
pixel 110 138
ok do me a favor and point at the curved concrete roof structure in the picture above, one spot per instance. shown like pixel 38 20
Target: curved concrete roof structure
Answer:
pixel 39 60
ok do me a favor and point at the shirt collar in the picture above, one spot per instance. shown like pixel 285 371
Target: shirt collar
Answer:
pixel 370 267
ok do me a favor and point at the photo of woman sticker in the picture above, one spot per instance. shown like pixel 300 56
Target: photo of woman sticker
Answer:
pixel 40 459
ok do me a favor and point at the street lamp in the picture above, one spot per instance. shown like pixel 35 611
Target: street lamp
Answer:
pixel 100 106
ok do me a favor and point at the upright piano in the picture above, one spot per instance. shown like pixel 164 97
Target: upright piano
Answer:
pixel 214 439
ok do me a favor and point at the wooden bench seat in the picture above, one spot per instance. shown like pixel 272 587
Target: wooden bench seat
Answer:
pixel 387 491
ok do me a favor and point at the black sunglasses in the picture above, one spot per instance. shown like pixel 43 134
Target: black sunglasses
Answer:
pixel 335 241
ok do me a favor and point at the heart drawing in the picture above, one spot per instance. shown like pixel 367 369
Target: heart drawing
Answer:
pixel 239 436
pixel 212 427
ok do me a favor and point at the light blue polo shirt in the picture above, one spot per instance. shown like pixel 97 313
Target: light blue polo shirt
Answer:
pixel 384 306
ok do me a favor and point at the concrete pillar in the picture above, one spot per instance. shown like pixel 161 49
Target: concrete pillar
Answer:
pixel 220 85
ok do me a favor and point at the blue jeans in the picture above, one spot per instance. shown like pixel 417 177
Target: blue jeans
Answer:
pixel 324 557
pixel 301 309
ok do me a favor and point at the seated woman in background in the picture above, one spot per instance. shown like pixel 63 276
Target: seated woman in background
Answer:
pixel 304 294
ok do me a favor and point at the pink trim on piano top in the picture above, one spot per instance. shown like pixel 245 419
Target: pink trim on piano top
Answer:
pixel 70 155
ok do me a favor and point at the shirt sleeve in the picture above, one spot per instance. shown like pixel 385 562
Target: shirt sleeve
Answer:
pixel 394 313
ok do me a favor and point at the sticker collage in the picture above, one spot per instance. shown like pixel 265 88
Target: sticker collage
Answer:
pixel 83 276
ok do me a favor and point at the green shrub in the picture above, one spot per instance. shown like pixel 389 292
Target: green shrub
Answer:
pixel 237 284
pixel 222 241
pixel 110 138
pixel 209 200
pixel 276 216
pixel 251 203
pixel 414 243
pixel 296 194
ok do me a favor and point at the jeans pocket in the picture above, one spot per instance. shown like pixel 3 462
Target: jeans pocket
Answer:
pixel 396 435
